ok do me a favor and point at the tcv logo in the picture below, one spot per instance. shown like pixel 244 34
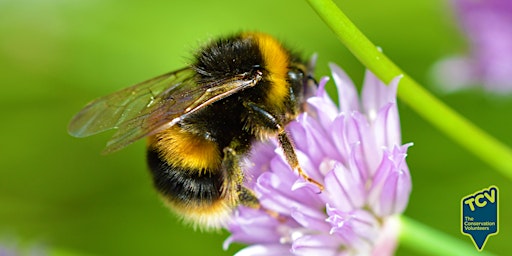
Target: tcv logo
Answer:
pixel 479 215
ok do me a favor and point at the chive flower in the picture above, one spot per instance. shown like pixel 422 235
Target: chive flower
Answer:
pixel 487 25
pixel 354 149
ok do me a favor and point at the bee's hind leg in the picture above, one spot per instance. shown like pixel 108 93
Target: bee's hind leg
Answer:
pixel 233 188
pixel 232 177
pixel 249 199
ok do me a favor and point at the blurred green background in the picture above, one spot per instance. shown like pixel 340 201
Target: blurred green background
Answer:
pixel 56 55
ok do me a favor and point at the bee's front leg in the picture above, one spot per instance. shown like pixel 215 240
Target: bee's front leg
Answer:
pixel 272 123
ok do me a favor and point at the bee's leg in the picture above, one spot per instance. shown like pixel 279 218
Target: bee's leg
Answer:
pixel 263 117
pixel 232 176
pixel 233 188
pixel 249 199
pixel 291 158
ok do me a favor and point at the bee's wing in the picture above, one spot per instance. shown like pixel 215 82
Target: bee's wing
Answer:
pixel 112 111
pixel 152 106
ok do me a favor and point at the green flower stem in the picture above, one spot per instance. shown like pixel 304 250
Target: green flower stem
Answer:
pixel 424 239
pixel 410 92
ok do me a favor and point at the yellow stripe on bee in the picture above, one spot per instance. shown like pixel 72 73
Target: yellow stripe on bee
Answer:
pixel 204 216
pixel 186 150
pixel 276 60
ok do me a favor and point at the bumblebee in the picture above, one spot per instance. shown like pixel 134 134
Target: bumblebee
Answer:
pixel 201 120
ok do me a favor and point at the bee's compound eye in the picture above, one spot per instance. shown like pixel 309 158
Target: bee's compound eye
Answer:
pixel 296 74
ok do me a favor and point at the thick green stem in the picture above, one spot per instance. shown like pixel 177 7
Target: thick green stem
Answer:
pixel 428 241
pixel 410 92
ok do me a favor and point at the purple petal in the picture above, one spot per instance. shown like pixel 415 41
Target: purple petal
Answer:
pixel 322 244
pixel 488 25
pixel 347 93
pixel 275 190
pixel 265 250
pixel 305 138
pixel 454 73
pixel 259 161
pixel 344 188
pixel 392 183
pixel 298 134
pixel 339 139
pixel 324 108
pixel 359 132
pixel 387 127
pixel 321 92
pixel 357 228
pixel 310 167
pixel 282 169
pixel 376 94
pixel 252 226
pixel 314 220
pixel 387 242
pixel 317 135
pixel 324 111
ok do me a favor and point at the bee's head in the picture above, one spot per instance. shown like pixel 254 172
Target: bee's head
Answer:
pixel 302 83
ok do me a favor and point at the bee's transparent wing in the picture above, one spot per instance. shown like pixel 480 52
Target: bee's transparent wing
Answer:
pixel 114 110
pixel 151 106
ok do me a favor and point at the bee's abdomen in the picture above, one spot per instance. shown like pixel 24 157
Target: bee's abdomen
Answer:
pixel 195 196
pixel 182 186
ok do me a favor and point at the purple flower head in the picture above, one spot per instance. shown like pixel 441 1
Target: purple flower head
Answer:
pixel 355 151
pixel 487 25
